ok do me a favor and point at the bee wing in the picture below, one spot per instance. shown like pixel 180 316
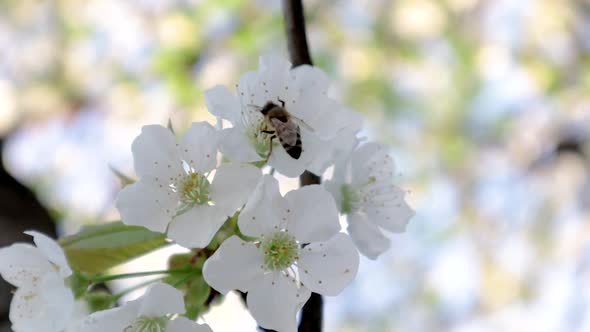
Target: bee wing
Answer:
pixel 289 137
pixel 302 123
pixel 287 132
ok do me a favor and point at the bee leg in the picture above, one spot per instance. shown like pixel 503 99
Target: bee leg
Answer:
pixel 267 131
pixel 281 101
pixel 269 148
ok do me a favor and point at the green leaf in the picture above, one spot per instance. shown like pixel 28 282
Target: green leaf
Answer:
pixel 192 284
pixel 98 248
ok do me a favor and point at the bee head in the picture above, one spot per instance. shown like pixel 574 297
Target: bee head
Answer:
pixel 269 105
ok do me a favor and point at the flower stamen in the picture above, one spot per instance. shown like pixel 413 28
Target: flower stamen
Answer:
pixel 280 251
pixel 194 189
pixel 255 125
pixel 147 324
pixel 371 194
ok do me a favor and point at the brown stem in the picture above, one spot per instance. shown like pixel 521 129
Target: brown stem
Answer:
pixel 295 29
pixel 311 314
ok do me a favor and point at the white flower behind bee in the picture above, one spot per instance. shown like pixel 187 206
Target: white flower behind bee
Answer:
pixel 42 302
pixel 298 249
pixel 177 192
pixel 304 92
pixel 363 187
pixel 151 312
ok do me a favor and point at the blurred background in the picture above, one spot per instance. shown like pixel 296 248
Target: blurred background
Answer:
pixel 485 104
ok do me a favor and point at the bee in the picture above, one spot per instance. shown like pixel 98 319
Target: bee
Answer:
pixel 280 123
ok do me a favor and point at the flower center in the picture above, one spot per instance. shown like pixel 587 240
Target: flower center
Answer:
pixel 147 324
pixel 280 251
pixel 255 124
pixel 349 198
pixel 194 189
pixel 353 198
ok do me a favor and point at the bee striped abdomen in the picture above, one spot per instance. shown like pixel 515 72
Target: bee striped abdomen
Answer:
pixel 289 137
pixel 294 150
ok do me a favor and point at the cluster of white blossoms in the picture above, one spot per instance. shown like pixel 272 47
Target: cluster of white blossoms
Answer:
pixel 287 247
pixel 297 248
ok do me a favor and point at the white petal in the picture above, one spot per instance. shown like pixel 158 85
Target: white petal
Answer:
pixel 23 265
pixel 313 214
pixel 334 188
pixel 80 312
pixel 25 309
pixel 237 146
pixel 148 204
pixel 368 238
pixel 395 215
pixel 275 80
pixel 338 118
pixel 47 308
pixel 368 159
pixel 344 144
pixel 381 167
pixel 251 90
pixel 161 299
pixel 235 265
pixel 274 63
pixel 275 300
pixel 155 153
pixel 52 251
pixel 232 185
pixel 183 324
pixel 334 150
pixel 319 112
pixel 116 319
pixel 199 147
pixel 222 103
pixel 310 78
pixel 196 227
pixel 266 210
pixel 328 267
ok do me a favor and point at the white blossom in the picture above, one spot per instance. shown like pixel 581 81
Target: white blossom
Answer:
pixel 363 187
pixel 155 311
pixel 80 312
pixel 304 92
pixel 298 249
pixel 43 302
pixel 181 190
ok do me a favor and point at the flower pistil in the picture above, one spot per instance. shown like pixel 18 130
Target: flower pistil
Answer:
pixel 280 251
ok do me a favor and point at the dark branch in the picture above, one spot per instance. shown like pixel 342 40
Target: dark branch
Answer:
pixel 311 314
pixel 308 178
pixel 296 36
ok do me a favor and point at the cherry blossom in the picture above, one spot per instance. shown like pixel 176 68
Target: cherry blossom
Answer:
pixel 363 187
pixel 181 189
pixel 298 249
pixel 302 92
